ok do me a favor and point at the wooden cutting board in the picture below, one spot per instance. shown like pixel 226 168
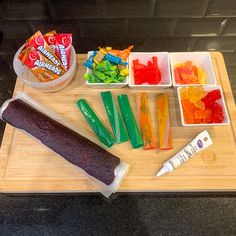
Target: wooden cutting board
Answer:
pixel 28 166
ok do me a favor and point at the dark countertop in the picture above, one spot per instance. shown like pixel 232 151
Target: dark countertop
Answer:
pixel 152 25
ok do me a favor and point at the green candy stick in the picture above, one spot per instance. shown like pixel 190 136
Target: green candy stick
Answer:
pixel 100 130
pixel 115 119
pixel 130 122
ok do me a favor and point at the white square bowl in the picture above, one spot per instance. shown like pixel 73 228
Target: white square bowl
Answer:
pixel 221 101
pixel 104 85
pixel 200 59
pixel 163 64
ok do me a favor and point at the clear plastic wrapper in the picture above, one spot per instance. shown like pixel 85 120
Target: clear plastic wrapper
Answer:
pixel 115 119
pixel 106 174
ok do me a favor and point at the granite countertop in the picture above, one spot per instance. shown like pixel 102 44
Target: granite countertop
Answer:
pixel 196 25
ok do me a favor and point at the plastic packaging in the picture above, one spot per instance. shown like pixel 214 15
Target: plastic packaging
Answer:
pixel 145 122
pixel 100 55
pixel 202 141
pixel 38 42
pixel 100 130
pixel 63 49
pixel 163 121
pixel 115 119
pixel 130 122
pixel 105 170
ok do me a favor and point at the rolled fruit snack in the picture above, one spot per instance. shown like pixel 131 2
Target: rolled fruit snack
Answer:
pixel 25 113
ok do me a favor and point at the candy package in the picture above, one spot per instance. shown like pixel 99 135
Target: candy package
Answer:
pixel 45 54
pixel 43 69
pixel 105 170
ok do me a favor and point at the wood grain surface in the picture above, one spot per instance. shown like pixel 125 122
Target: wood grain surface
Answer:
pixel 28 166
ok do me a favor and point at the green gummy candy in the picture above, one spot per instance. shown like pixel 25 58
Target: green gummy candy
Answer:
pixel 130 122
pixel 91 78
pixel 95 123
pixel 99 75
pixel 115 119
pixel 104 66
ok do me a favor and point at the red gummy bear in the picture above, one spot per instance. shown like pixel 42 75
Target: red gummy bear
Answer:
pixel 217 113
pixel 211 97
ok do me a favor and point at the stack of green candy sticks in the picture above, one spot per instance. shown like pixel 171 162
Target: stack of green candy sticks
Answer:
pixel 118 127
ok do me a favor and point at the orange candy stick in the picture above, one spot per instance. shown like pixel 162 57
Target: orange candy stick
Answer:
pixel 114 52
pixel 125 53
pixel 145 122
pixel 163 121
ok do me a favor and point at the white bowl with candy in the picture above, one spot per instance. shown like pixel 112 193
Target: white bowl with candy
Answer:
pixel 46 62
pixel 107 68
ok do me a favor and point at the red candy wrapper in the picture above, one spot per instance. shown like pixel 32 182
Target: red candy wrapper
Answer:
pixel 38 42
pixel 63 48
pixel 40 66
pixel 50 39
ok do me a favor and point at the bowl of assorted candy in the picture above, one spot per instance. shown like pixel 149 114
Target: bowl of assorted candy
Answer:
pixel 149 70
pixel 107 68
pixel 46 62
pixel 202 106
pixel 192 69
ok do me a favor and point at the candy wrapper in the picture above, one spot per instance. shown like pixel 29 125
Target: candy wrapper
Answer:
pixel 114 116
pixel 40 66
pixel 63 48
pixel 38 42
pixel 51 39
pixel 130 122
pixel 145 122
pixel 163 121
pixel 103 168
pixel 95 123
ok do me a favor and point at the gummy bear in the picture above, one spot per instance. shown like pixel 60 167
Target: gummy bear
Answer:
pixel 218 113
pixel 196 94
pixel 211 97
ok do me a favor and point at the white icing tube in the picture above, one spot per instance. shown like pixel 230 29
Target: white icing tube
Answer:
pixel 202 141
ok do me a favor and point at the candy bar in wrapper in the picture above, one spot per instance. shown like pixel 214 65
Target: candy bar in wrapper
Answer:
pixel 40 66
pixel 50 39
pixel 38 42
pixel 63 48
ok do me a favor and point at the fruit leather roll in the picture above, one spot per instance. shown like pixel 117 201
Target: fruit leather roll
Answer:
pixel 53 131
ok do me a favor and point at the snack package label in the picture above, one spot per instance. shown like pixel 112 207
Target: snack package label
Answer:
pixel 40 66
pixel 38 42
pixel 63 48
pixel 50 39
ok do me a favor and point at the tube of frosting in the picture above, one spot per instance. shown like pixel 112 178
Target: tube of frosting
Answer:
pixel 102 168
pixel 202 141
